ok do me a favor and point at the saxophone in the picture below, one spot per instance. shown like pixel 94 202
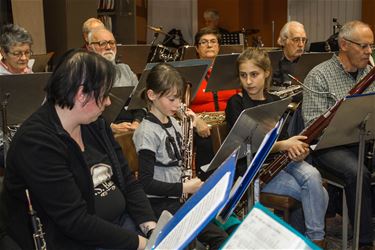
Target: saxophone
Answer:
pixel 188 169
pixel 38 234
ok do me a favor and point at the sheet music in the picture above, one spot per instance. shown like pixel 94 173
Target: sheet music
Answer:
pixel 196 216
pixel 259 230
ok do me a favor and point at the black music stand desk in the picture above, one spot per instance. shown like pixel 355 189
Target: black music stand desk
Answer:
pixel 224 74
pixel 26 94
pixel 20 95
pixel 249 129
pixel 308 61
pixel 119 97
pixel 193 71
pixel 354 122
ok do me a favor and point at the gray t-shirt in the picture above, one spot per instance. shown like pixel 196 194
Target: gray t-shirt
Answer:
pixel 151 136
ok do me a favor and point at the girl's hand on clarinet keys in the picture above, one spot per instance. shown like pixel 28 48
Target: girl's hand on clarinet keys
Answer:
pixel 192 115
pixel 191 186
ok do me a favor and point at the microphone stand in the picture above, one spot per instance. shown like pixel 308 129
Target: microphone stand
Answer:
pixel 4 104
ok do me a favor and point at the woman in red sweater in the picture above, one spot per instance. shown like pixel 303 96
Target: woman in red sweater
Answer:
pixel 207 44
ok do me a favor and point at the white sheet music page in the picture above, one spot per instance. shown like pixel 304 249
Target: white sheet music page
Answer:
pixel 198 214
pixel 260 231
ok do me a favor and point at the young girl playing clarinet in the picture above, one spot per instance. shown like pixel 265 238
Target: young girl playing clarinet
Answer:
pixel 158 144
pixel 299 179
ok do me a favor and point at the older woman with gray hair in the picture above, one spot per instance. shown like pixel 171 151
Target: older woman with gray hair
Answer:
pixel 15 48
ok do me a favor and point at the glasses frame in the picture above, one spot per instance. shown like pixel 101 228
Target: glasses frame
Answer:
pixel 300 39
pixel 207 42
pixel 361 45
pixel 103 43
pixel 19 54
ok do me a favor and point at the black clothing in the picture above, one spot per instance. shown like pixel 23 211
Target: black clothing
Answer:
pixel 236 104
pixel 46 160
pixel 280 75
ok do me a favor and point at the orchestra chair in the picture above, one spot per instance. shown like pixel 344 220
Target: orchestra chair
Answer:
pixel 282 205
pixel 41 62
pixel 125 140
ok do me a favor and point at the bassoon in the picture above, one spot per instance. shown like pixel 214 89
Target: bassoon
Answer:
pixel 314 130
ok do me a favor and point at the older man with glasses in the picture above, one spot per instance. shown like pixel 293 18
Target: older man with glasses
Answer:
pixel 339 75
pixel 15 49
pixel 102 42
pixel 293 40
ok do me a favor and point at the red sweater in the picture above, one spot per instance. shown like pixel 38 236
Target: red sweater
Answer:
pixel 204 101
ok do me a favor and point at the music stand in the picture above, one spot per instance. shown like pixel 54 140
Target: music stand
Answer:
pixel 357 129
pixel 20 96
pixel 308 61
pixel 134 55
pixel 192 71
pixel 224 74
pixel 275 57
pixel 249 129
pixel 119 97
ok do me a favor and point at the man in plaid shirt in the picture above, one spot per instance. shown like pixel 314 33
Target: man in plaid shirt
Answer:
pixel 338 76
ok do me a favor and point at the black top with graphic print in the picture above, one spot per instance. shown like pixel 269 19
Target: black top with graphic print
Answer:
pixel 109 201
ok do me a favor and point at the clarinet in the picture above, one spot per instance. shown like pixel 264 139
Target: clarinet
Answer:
pixel 314 130
pixel 188 171
pixel 38 234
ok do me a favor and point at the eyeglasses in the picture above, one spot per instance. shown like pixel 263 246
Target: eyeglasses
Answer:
pixel 103 44
pixel 19 54
pixel 207 42
pixel 361 45
pixel 297 40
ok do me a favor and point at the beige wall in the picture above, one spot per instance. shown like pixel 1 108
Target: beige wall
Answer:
pixel 29 14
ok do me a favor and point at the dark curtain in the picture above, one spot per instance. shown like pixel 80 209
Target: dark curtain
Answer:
pixel 5 12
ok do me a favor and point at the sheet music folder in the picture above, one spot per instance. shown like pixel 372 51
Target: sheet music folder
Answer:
pixel 192 71
pixel 198 210
pixel 224 74
pixel 341 130
pixel 243 182
pixel 119 97
pixel 26 94
pixel 250 234
pixel 250 128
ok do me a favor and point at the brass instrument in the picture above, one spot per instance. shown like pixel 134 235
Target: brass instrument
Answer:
pixel 188 170
pixel 38 234
pixel 212 118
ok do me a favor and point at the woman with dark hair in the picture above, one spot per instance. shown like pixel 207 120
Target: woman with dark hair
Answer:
pixel 66 156
pixel 207 44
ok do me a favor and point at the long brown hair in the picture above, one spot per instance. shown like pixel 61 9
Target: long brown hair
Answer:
pixel 260 58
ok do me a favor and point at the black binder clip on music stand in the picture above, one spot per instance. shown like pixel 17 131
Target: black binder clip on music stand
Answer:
pixel 20 96
pixel 360 126
pixel 192 71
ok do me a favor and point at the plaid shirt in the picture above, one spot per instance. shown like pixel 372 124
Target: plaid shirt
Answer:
pixel 330 77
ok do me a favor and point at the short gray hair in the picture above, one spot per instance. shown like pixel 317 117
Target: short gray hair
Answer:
pixel 285 30
pixel 12 35
pixel 86 27
pixel 347 29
